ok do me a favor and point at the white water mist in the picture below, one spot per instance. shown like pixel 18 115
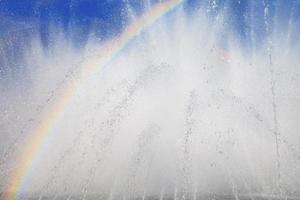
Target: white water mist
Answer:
pixel 176 114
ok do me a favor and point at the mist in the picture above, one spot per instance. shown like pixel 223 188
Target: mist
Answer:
pixel 187 110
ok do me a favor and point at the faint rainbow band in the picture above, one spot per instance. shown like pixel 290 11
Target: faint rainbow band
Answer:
pixel 43 129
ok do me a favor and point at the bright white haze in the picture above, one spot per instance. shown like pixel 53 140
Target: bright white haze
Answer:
pixel 185 110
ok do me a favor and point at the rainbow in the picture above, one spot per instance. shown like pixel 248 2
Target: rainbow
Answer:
pixel 93 65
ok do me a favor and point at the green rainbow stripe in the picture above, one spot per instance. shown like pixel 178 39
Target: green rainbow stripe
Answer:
pixel 92 66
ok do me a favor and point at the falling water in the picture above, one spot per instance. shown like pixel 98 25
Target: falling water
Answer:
pixel 193 107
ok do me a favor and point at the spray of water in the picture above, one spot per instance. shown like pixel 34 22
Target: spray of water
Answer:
pixel 184 111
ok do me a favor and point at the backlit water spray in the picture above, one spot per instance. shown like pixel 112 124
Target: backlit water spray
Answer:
pixel 177 105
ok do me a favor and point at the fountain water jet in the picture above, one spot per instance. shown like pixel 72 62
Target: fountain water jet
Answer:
pixel 185 111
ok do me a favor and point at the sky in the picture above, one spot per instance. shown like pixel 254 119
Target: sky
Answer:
pixel 24 14
pixel 20 20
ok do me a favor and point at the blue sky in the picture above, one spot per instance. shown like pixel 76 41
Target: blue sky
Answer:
pixel 21 15
pixel 19 19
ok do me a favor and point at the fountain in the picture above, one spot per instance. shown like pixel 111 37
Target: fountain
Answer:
pixel 186 102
